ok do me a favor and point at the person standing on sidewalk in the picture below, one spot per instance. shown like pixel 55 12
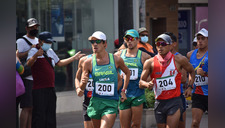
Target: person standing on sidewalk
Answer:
pixel 103 67
pixel 42 60
pixel 173 50
pixel 165 72
pixel 199 60
pixel 23 48
pixel 131 109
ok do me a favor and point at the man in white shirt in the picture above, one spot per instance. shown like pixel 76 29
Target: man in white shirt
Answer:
pixel 23 48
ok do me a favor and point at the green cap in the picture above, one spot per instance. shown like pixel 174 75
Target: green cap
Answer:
pixel 132 33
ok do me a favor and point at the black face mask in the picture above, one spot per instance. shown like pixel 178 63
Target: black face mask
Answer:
pixel 33 32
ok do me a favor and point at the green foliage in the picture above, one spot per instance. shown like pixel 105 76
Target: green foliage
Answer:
pixel 150 98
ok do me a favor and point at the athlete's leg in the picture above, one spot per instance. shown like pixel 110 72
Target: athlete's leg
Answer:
pixel 196 117
pixel 125 118
pixel 182 123
pixel 88 124
pixel 107 121
pixel 161 125
pixel 172 121
pixel 136 116
pixel 96 123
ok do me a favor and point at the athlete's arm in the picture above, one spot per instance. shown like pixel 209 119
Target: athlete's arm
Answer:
pixel 189 68
pixel 84 77
pixel 145 75
pixel 144 57
pixel 189 54
pixel 78 74
pixel 121 65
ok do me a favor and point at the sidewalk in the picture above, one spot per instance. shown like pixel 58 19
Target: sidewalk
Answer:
pixel 75 120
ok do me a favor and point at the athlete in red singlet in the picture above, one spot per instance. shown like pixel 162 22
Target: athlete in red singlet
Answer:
pixel 165 72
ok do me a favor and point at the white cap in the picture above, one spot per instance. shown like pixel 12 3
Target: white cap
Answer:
pixel 195 39
pixel 165 37
pixel 203 32
pixel 99 35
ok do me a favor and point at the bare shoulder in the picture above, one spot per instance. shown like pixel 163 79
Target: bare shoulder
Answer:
pixel 88 62
pixel 149 61
pixel 180 58
pixel 118 52
pixel 190 53
pixel 117 58
pixel 145 55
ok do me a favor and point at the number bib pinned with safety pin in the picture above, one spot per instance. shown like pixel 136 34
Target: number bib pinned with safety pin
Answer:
pixel 104 89
pixel 201 80
pixel 133 73
pixel 90 85
pixel 165 83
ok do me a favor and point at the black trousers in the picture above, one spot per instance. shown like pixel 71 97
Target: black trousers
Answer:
pixel 44 108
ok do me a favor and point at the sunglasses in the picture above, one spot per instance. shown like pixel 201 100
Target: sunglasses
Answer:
pixel 129 38
pixel 97 41
pixel 162 43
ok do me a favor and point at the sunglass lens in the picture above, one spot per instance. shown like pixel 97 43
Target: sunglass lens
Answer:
pixel 98 41
pixel 161 43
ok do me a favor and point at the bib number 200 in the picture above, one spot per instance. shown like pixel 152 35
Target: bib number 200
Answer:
pixel 106 89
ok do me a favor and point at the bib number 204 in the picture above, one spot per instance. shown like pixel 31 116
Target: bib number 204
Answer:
pixel 164 83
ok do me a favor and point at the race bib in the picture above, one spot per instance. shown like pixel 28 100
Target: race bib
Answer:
pixel 104 89
pixel 201 80
pixel 133 73
pixel 166 83
pixel 90 85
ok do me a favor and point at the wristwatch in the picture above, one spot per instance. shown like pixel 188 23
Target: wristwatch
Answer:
pixel 124 90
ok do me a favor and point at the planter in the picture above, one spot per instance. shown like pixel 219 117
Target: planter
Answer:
pixel 148 118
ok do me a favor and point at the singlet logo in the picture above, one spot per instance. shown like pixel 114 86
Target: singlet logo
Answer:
pixel 104 79
pixel 104 73
pixel 172 72
pixel 131 64
pixel 110 67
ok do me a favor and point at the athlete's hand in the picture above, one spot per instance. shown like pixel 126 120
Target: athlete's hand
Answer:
pixel 85 79
pixel 79 92
pixel 150 84
pixel 123 96
pixel 200 72
pixel 187 92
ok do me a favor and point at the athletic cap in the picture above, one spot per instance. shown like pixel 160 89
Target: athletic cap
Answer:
pixel 195 39
pixel 165 37
pixel 143 29
pixel 46 36
pixel 203 32
pixel 99 35
pixel 132 32
pixel 31 22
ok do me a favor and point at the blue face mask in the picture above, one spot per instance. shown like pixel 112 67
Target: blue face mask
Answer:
pixel 144 39
pixel 46 46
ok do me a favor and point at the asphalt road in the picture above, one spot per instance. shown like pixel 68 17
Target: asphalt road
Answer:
pixel 75 120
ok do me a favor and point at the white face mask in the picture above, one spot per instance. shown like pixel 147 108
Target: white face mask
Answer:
pixel 46 46
pixel 144 39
